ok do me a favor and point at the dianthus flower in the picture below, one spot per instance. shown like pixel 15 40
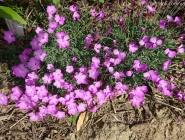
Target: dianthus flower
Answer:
pixel 50 66
pixel 150 8
pixel 9 36
pixel 69 69
pixel 166 65
pixel 60 19
pixel 35 44
pixel 76 15
pixel 52 27
pixel 34 64
pixel 81 78
pixel 40 54
pixel 63 41
pixel 171 54
pixel 51 10
pixel 73 8
pixel 133 47
pixel 23 58
pixel 97 48
pixel 3 99
pixel 162 24
pixel 88 40
pixel 100 15
pixel 20 70
pixel 47 78
pixel 43 37
pixel 180 49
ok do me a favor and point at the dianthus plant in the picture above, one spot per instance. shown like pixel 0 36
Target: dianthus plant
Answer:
pixel 80 60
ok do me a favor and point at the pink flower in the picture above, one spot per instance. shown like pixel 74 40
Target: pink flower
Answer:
pixel 73 8
pixel 60 19
pixel 9 36
pixel 63 42
pixel 81 78
pixel 100 15
pixel 94 73
pixel 150 8
pixel 129 73
pixel 74 59
pixel 16 93
pixel 69 69
pixel 3 99
pixel 52 27
pixel 97 48
pixel 43 37
pixel 76 15
pixel 88 40
pixel 177 20
pixel 40 54
pixel 23 58
pixel 38 30
pixel 51 10
pixel 133 47
pixel 47 78
pixel 50 66
pixel 93 12
pixel 35 44
pixel 42 91
pixel 60 114
pixel 57 74
pixel 162 24
pixel 180 49
pixel 20 70
pixel 170 18
pixel 34 64
pixel 166 64
pixel 81 107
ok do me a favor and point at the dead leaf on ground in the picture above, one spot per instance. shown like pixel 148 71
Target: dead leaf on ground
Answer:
pixel 138 127
pixel 80 121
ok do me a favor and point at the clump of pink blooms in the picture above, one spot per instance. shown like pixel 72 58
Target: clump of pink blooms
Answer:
pixel 37 97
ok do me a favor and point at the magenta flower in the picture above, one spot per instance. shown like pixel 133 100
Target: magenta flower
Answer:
pixel 76 16
pixel 57 74
pixel 3 99
pixel 34 64
pixel 93 12
pixel 40 54
pixel 23 58
pixel 47 78
pixel 63 42
pixel 60 19
pixel 138 67
pixel 171 54
pixel 144 40
pixel 81 107
pixel 166 64
pixel 38 30
pixel 74 59
pixel 129 73
pixel 100 15
pixel 97 48
pixel 50 66
pixel 150 9
pixel 16 93
pixel 152 75
pixel 35 44
pixel 9 36
pixel 93 73
pixel 81 78
pixel 43 37
pixel 51 10
pixel 177 20
pixel 143 2
pixel 155 42
pixel 143 28
pixel 73 8
pixel 88 40
pixel 69 69
pixel 20 70
pixel 162 24
pixel 42 91
pixel 60 114
pixel 133 47
pixel 52 27
pixel 27 51
pixel 180 49
pixel 170 18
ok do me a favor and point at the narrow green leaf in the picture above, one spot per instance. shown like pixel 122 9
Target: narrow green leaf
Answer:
pixel 56 1
pixel 102 1
pixel 6 12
